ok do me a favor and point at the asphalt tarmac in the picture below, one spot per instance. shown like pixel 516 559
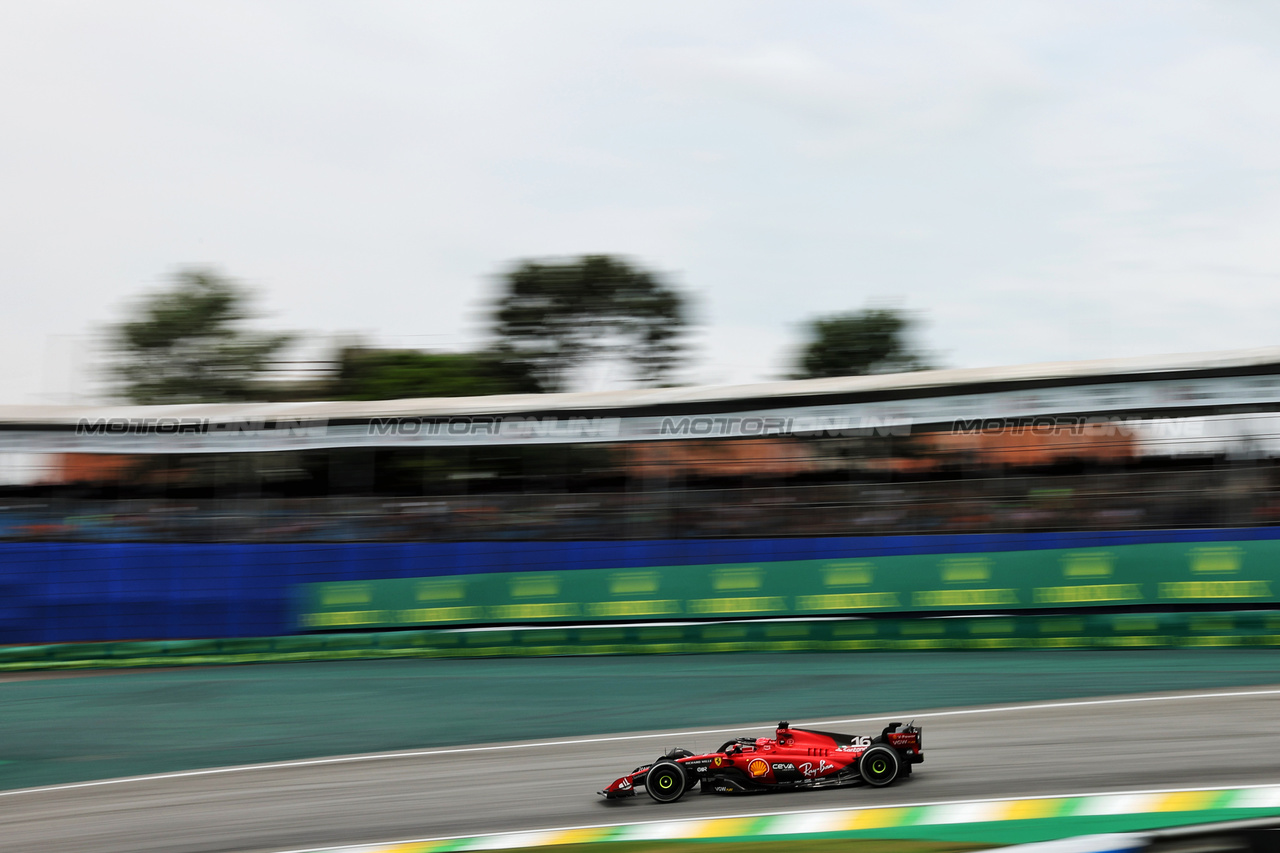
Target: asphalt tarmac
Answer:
pixel 57 730
pixel 1175 740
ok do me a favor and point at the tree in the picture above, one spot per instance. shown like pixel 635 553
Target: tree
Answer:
pixel 365 373
pixel 187 344
pixel 874 340
pixel 552 318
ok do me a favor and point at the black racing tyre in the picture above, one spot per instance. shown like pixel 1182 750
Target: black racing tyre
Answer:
pixel 665 781
pixel 879 765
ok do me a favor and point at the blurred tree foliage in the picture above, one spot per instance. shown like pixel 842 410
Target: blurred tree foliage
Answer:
pixel 553 318
pixel 874 340
pixel 365 373
pixel 188 344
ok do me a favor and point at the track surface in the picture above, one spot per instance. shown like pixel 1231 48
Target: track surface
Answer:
pixel 133 723
pixel 1180 740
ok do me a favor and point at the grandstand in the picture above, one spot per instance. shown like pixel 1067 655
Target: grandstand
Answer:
pixel 1114 485
pixel 1147 443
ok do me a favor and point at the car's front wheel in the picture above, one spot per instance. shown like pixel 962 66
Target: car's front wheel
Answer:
pixel 879 765
pixel 665 781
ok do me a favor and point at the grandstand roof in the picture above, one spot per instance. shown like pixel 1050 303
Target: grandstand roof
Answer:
pixel 705 398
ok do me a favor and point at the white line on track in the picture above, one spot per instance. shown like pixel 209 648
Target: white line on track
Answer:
pixel 427 753
pixel 788 812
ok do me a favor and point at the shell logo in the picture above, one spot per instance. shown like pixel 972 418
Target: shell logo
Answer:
pixel 758 767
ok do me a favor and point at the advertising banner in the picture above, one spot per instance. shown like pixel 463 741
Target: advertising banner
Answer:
pixel 1241 574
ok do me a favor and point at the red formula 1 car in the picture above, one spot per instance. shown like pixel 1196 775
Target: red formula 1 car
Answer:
pixel 792 759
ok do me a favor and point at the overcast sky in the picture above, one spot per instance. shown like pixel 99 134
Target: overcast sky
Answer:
pixel 1039 181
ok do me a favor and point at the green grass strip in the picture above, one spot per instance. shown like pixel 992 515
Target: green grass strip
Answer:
pixel 1099 631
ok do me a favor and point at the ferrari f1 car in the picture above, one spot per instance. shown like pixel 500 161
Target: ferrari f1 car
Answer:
pixel 792 759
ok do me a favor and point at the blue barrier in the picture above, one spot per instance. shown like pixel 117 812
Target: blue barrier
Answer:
pixel 57 592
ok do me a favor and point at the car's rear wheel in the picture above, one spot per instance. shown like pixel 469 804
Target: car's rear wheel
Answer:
pixel 665 781
pixel 879 765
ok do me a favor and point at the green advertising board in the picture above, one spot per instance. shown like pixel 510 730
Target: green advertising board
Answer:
pixel 1030 630
pixel 1239 574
